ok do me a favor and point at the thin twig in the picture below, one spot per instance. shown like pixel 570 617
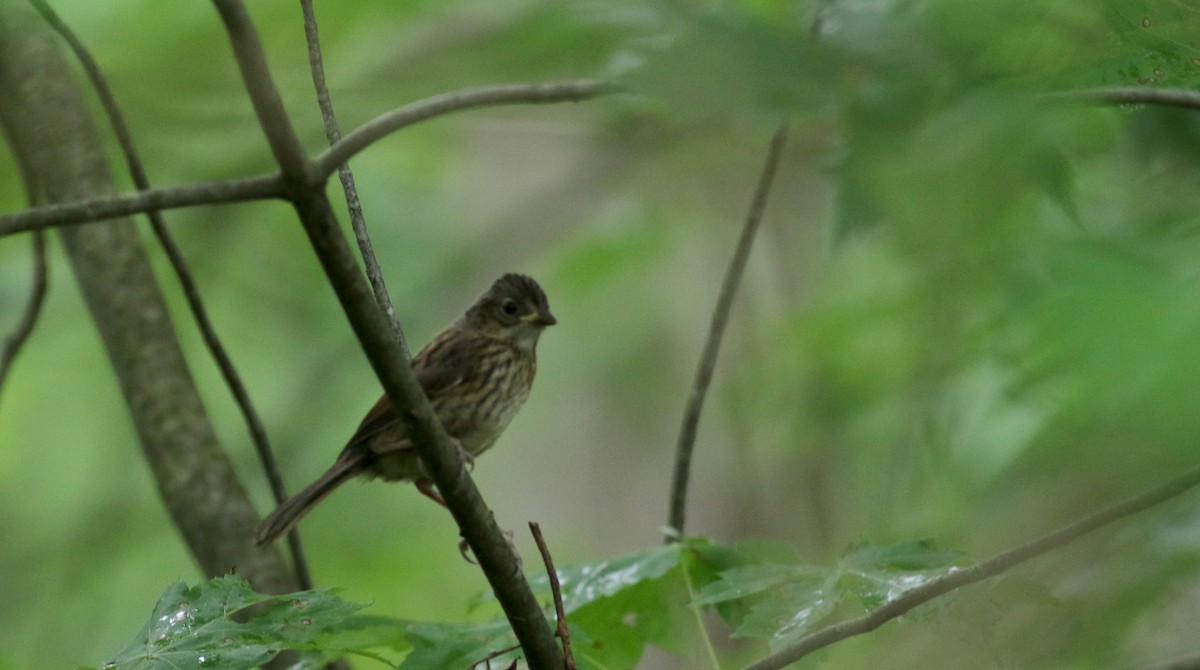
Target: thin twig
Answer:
pixel 33 308
pixel 191 292
pixel 1185 663
pixel 269 186
pixel 442 459
pixel 272 186
pixel 708 360
pixel 486 661
pixel 260 187
pixel 1131 95
pixel 556 591
pixel 333 133
pixel 978 572
pixel 440 105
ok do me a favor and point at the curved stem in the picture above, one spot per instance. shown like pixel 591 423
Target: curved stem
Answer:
pixel 440 105
pixel 716 330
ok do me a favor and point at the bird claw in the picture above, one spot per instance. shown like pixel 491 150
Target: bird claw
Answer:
pixel 463 548
pixel 467 456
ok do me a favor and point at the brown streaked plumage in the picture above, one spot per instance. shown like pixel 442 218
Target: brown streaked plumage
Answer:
pixel 477 373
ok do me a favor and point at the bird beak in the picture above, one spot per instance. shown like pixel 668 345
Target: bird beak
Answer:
pixel 540 318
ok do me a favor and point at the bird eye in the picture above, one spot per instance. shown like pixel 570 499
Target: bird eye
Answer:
pixel 508 307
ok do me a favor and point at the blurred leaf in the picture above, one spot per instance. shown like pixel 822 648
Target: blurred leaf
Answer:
pixel 583 584
pixel 619 626
pixel 224 624
pixel 913 555
pixel 615 607
pixel 1158 44
pixel 877 574
pixel 448 645
pixel 792 610
pixel 737 583
pixel 727 62
pixel 782 601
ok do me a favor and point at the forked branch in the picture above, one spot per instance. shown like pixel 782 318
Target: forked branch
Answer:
pixel 443 461
pixel 272 186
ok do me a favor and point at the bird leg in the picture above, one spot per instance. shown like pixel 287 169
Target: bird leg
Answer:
pixel 427 487
pixel 508 538
pixel 467 456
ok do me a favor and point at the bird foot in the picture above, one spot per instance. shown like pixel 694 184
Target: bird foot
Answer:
pixel 467 456
pixel 429 489
pixel 463 548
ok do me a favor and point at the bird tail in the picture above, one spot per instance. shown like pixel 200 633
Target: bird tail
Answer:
pixel 293 509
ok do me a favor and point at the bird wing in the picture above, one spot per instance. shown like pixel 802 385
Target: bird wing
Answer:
pixel 439 367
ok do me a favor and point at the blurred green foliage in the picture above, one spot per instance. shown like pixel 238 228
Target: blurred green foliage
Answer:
pixel 972 315
pixel 614 608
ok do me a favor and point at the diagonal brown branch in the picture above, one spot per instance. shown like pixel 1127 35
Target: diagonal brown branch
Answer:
pixel 708 360
pixel 561 630
pixel 990 567
pixel 442 460
pixel 333 133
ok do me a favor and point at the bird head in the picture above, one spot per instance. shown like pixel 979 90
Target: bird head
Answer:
pixel 514 309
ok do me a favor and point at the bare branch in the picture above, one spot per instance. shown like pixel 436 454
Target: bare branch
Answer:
pixel 357 222
pixel 708 360
pixel 423 110
pixel 562 631
pixel 442 459
pixel 271 186
pixel 1132 95
pixel 262 187
pixel 33 308
pixel 980 571
pixel 1185 663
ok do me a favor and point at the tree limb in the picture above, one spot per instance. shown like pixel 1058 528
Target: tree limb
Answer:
pixel 98 208
pixel 191 292
pixel 269 186
pixel 1132 95
pixel 48 125
pixel 440 105
pixel 442 459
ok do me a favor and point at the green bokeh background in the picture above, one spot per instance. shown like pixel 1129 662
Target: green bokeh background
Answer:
pixel 970 315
